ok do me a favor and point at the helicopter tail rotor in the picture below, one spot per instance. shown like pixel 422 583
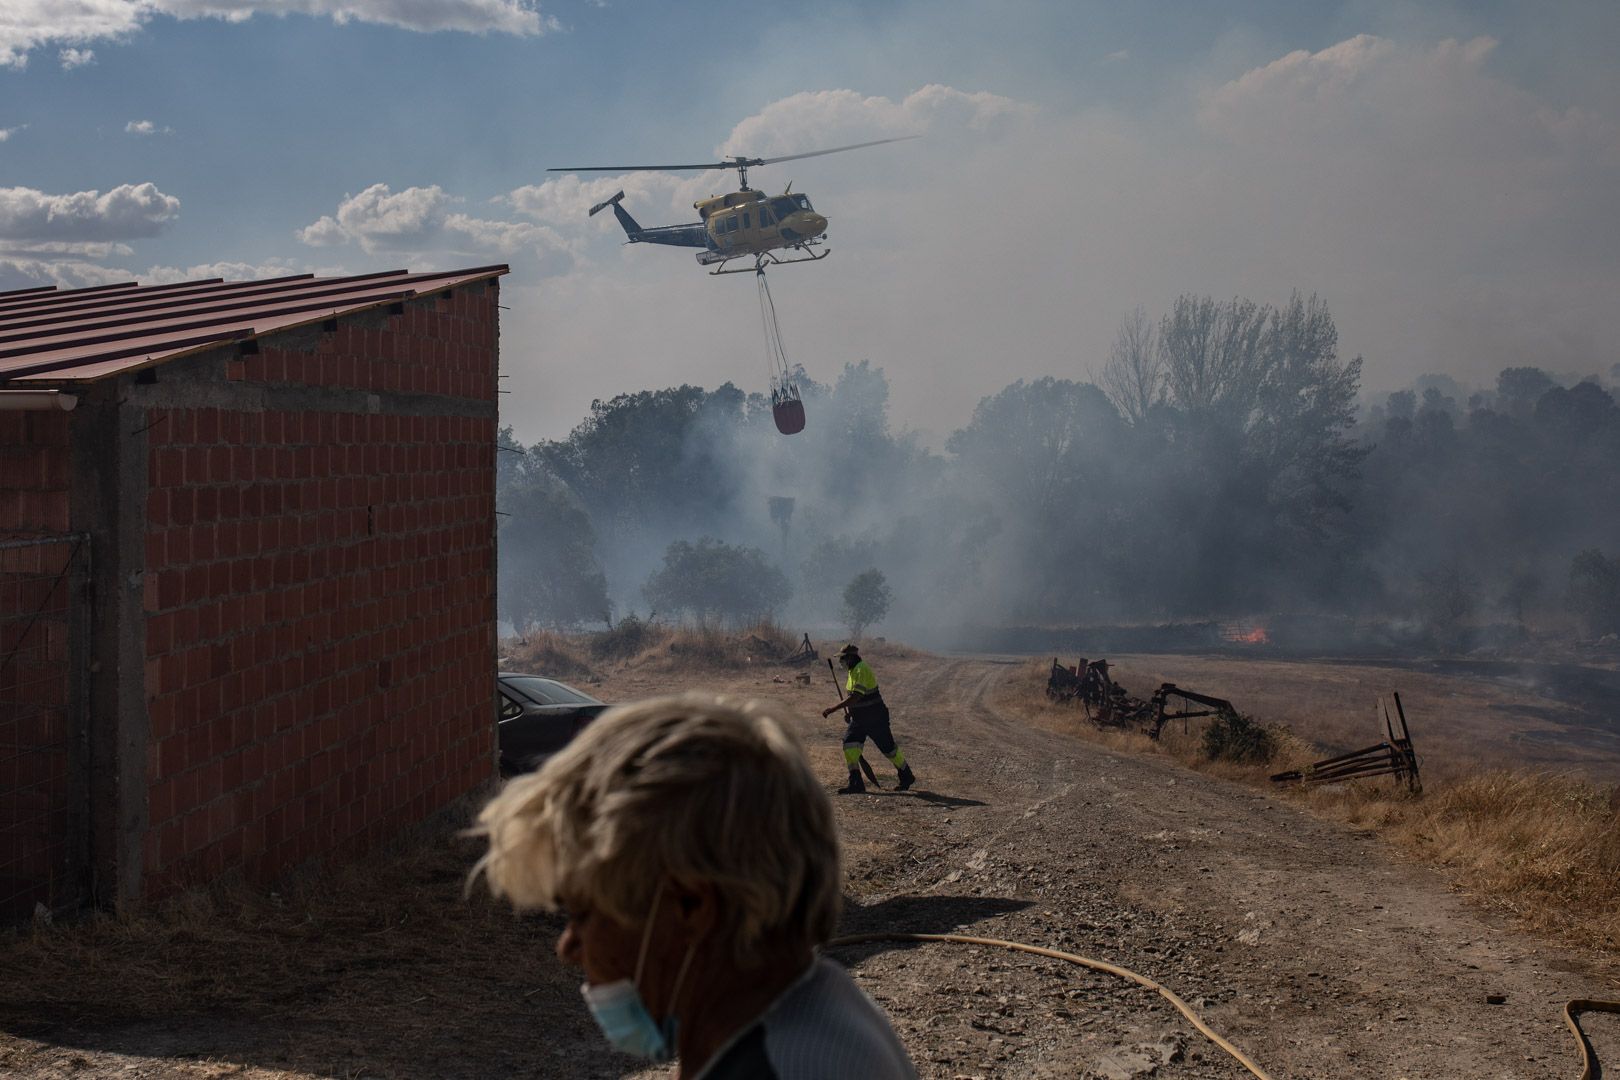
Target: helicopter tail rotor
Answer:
pixel 605 204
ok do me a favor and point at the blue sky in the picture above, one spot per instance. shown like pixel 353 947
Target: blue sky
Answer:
pixel 1443 174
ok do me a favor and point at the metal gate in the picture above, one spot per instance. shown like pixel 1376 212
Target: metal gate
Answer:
pixel 44 621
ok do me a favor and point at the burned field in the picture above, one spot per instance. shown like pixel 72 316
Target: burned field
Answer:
pixel 1314 947
pixel 1466 714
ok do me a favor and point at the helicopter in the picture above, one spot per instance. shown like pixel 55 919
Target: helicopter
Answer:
pixel 741 224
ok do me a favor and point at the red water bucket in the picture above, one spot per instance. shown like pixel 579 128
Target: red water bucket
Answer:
pixel 789 416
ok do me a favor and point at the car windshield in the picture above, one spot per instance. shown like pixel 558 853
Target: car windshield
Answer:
pixel 547 691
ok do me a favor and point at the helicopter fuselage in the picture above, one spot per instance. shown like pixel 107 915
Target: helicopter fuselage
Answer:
pixel 734 225
pixel 749 222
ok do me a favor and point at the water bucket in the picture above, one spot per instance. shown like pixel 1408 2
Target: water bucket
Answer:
pixel 789 415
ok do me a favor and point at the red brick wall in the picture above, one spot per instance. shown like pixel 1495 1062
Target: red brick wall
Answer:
pixel 319 600
pixel 34 471
pixel 35 738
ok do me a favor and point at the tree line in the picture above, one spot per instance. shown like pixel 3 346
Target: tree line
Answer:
pixel 1219 462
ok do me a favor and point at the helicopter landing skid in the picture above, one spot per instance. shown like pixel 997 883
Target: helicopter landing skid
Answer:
pixel 767 258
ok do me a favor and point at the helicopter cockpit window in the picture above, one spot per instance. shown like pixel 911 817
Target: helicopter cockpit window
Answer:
pixel 801 201
pixel 783 205
pixel 765 218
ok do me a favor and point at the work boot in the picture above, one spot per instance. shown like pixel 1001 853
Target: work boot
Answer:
pixel 907 778
pixel 855 785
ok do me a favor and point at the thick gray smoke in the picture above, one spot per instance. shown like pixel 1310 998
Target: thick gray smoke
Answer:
pixel 1221 467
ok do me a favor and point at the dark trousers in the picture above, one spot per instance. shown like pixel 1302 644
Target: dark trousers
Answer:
pixel 870 722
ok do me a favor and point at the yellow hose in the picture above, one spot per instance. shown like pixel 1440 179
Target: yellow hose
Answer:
pixel 1095 965
pixel 1572 1011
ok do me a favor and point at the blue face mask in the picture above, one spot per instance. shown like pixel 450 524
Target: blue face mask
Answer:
pixel 625 1022
pixel 619 1011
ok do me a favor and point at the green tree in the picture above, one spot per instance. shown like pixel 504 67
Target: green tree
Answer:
pixel 547 572
pixel 1519 388
pixel 1594 591
pixel 866 601
pixel 1446 603
pixel 711 579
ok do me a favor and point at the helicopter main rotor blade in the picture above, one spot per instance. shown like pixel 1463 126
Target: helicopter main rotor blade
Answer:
pixel 834 150
pixel 647 168
pixel 734 163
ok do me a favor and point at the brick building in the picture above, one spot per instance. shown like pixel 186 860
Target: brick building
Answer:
pixel 247 559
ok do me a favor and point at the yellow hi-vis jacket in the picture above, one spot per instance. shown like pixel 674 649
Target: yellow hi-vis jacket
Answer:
pixel 861 682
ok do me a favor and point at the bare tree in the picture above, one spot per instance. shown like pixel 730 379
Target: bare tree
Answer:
pixel 1212 355
pixel 1133 378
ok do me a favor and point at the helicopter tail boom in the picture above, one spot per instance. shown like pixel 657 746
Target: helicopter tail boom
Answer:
pixel 674 235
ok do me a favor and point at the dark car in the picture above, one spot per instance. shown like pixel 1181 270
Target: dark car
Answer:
pixel 537 718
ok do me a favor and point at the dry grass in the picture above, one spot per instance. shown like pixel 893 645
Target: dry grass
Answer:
pixel 547 652
pixel 379 966
pixel 712 648
pixel 1460 723
pixel 654 646
pixel 1542 845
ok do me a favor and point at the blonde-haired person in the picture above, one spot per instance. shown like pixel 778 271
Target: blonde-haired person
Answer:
pixel 697 861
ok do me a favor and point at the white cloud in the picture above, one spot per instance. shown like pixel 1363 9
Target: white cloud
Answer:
pixel 420 221
pixel 380 219
pixel 566 200
pixel 24 273
pixel 29 24
pixel 19 270
pixel 126 212
pixel 76 58
pixel 823 118
pixel 146 127
pixel 503 237
pixel 471 16
pixel 324 233
pixel 6 133
pixel 230 271
pixel 87 249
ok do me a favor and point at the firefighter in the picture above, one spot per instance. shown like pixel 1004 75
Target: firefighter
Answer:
pixel 868 719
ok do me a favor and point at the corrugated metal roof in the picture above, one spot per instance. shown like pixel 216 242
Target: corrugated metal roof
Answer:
pixel 77 335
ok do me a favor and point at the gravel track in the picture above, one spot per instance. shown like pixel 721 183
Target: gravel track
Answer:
pixel 1308 944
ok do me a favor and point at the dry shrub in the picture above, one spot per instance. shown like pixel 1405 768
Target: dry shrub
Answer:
pixel 763 642
pixel 1234 737
pixel 630 639
pixel 665 648
pixel 771 640
pixel 876 648
pixel 549 653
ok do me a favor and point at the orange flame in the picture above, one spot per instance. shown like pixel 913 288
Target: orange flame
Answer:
pixel 1252 635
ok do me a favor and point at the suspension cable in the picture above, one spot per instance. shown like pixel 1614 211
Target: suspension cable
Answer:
pixel 775 355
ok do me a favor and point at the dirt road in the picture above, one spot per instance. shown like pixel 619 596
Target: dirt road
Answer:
pixel 1308 945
